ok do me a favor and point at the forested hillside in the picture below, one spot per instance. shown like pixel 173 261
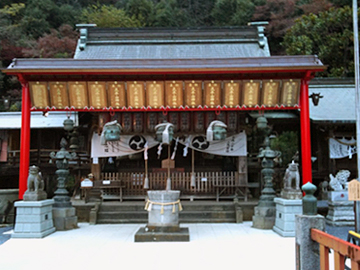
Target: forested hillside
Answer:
pixel 46 28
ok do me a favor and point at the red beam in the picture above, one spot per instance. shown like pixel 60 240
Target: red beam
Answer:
pixel 25 137
pixel 305 132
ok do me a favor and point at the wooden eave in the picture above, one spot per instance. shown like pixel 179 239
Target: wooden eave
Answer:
pixel 272 65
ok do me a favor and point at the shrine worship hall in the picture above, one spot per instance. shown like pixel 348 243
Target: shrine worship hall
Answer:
pixel 199 81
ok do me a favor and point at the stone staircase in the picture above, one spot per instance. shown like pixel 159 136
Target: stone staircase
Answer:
pixel 193 212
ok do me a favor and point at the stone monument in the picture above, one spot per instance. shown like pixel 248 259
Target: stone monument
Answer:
pixel 163 218
pixel 163 205
pixel 34 213
pixel 290 203
pixel 341 210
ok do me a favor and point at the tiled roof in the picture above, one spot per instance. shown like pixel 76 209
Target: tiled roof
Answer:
pixel 337 103
pixel 165 43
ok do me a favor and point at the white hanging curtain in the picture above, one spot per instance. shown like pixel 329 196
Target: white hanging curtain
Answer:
pixel 342 148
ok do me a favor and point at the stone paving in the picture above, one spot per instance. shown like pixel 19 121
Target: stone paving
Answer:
pixel 211 246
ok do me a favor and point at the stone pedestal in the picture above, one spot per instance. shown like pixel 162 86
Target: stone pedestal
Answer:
pixel 341 213
pixel 291 194
pixel 338 195
pixel 33 219
pixel 264 217
pixel 35 195
pixel 163 219
pixel 65 218
pixel 286 210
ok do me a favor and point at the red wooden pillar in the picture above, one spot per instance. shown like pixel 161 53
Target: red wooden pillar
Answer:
pixel 25 137
pixel 305 132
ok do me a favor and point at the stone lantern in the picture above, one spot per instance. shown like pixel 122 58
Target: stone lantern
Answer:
pixel 62 158
pixel 267 156
pixel 265 212
pixel 64 215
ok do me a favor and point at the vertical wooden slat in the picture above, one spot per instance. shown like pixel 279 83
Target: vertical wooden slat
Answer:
pixel 324 257
pixel 339 261
pixel 355 265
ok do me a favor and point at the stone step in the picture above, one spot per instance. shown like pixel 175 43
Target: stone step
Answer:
pixel 145 220
pixel 184 216
pixel 122 215
pixel 206 220
pixel 119 207
pixel 122 221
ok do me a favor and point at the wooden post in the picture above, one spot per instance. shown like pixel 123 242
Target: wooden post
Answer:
pixel 24 137
pixel 168 180
pixel 192 180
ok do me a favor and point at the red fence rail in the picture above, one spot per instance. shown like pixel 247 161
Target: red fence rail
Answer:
pixel 342 250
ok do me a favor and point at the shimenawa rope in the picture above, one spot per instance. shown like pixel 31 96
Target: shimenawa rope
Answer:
pixel 149 204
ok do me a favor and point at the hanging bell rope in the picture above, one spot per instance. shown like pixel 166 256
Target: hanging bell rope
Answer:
pixel 149 204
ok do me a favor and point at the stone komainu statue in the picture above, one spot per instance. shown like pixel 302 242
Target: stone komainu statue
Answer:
pixel 339 182
pixel 292 173
pixel 35 182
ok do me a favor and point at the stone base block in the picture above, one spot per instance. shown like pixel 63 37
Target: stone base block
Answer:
pixel 340 213
pixel 338 195
pixel 33 219
pixel 161 235
pixel 239 215
pixel 264 217
pixel 65 218
pixel 286 210
pixel 265 223
pixel 35 195
pixel 291 194
pixel 284 233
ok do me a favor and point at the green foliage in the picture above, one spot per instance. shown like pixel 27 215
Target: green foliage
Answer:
pixel 199 11
pixel 141 10
pixel 232 12
pixel 13 10
pixel 288 144
pixel 281 15
pixel 108 16
pixel 328 35
pixel 15 107
pixel 59 43
pixel 341 3
pixel 168 14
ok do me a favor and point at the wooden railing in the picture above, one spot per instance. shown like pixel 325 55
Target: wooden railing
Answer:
pixel 342 250
pixel 41 156
pixel 205 183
